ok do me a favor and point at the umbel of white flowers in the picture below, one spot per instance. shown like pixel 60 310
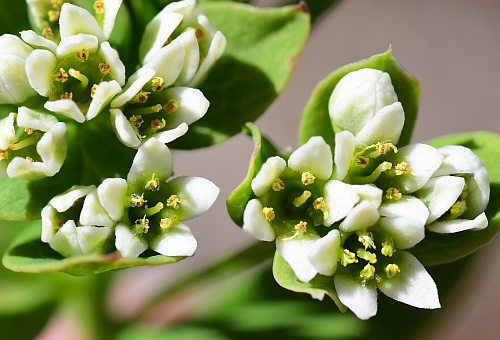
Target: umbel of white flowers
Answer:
pixel 144 211
pixel 372 206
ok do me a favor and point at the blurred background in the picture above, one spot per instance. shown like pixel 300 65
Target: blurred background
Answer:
pixel 451 47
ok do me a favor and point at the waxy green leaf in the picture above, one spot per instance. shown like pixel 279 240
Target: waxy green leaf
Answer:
pixel 443 248
pixel 316 118
pixel 262 46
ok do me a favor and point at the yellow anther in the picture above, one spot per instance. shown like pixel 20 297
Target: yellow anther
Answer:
pixel 368 272
pixel 29 131
pixel 171 106
pixel 393 194
pixel 53 15
pixel 56 3
pixel 137 201
pixel 136 121
pixel 301 227
pixel 28 158
pixel 348 257
pixel 319 203
pixel 362 161
pixel 166 223
pixel 82 56
pixel 278 184
pixel 387 248
pixel 157 84
pixel 391 270
pixel 4 154
pixel 99 7
pixel 157 124
pixel 367 256
pixel 141 97
pixel 268 213
pixel 153 184
pixel 198 33
pixel 458 208
pixel 298 201
pixel 366 240
pixel 104 67
pixel 174 202
pixel 307 178
pixel 62 76
pixel 67 95
pixel 401 168
pixel 141 226
pixel 47 32
pixel 384 148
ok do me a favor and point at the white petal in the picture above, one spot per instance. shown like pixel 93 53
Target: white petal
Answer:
pixel 66 107
pixel 156 34
pixel 412 285
pixel 455 226
pixel 21 168
pixel 170 135
pixel 423 160
pixel 192 106
pixel 38 41
pixel 128 244
pixel 52 147
pixel 67 199
pixel 344 151
pixel 270 170
pixel 28 118
pixel 111 8
pixel 439 194
pixel 92 239
pixel 214 53
pixel 325 253
pixel 152 158
pixel 360 299
pixel 458 160
pixel 7 131
pixel 478 187
pixel 369 193
pixel 134 84
pixel 49 223
pixel 102 96
pixel 406 232
pixel 11 44
pixel 314 156
pixel 362 216
pixel 197 195
pixel 191 49
pixel 386 125
pixel 112 193
pixel 74 20
pixel 93 213
pixel 168 62
pixel 117 68
pixel 340 198
pixel 296 251
pixel 40 67
pixel 65 241
pixel 406 206
pixel 75 43
pixel 123 129
pixel 255 224
pixel 175 241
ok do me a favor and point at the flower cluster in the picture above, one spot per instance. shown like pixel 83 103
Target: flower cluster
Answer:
pixel 355 220
pixel 70 74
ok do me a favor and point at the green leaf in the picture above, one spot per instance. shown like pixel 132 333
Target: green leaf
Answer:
pixel 316 119
pixel 442 248
pixel 29 254
pixel 262 46
pixel 319 286
pixel 238 199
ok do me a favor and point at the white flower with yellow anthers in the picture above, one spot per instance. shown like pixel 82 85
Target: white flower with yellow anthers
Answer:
pixel 155 209
pixel 291 202
pixel 14 85
pixel 364 102
pixel 82 73
pixel 458 192
pixel 81 220
pixel 32 145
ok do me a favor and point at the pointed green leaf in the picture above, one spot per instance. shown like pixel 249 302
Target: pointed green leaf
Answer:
pixel 262 46
pixel 442 248
pixel 29 254
pixel 316 119
pixel 238 199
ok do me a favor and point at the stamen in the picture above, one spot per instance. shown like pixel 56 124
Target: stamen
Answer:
pixel 458 208
pixel 141 226
pixel 4 154
pixel 67 95
pixel 136 121
pixel 174 202
pixel 348 257
pixel 82 56
pixel 99 7
pixel 298 201
pixel 53 15
pixel 47 32
pixel 154 210
pixel 391 270
pixel 301 227
pixel 62 76
pixel 367 256
pixel 171 106
pixel 158 124
pixel 401 168
pixel 93 89
pixel 141 97
pixel 198 33
pixel 166 223
pixel 77 75
pixel 29 131
pixel 368 272
pixel 268 213
pixel 137 201
pixel 362 161
pixel 319 203
pixel 28 158
pixel 387 248
pixel 393 194
pixel 56 3
pixel 366 240
pixel 278 184
pixel 104 67
pixel 385 147
pixel 157 84
pixel 307 178
pixel 153 184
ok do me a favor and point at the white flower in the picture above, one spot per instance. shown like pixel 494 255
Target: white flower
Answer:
pixel 39 151
pixel 364 102
pixel 155 208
